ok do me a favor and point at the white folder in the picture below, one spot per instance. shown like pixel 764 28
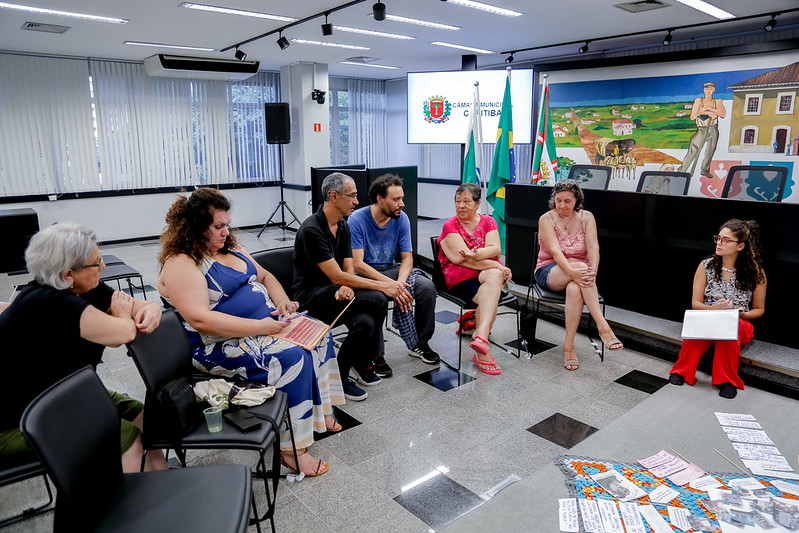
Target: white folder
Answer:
pixel 711 324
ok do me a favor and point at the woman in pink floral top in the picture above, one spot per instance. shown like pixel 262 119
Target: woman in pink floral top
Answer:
pixel 568 259
pixel 469 253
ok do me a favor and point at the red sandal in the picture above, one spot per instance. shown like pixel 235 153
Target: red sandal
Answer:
pixel 489 367
pixel 480 345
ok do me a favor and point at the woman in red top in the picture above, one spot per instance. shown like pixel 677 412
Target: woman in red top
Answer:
pixel 469 253
pixel 568 259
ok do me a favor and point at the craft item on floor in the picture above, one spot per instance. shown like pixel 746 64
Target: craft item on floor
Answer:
pixel 579 471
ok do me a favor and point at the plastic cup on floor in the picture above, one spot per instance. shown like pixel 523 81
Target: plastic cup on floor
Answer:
pixel 213 418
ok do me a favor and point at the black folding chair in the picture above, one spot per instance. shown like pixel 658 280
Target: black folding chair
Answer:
pixel 505 298
pixel 165 355
pixel 74 428
pixel 538 295
pixel 20 472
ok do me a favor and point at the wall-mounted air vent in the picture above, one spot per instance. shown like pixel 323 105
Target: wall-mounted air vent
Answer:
pixel 47 28
pixel 362 59
pixel 642 5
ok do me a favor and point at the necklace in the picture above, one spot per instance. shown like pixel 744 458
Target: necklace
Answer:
pixel 730 270
pixel 566 223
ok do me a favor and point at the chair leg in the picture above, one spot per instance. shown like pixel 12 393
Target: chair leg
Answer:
pixel 254 520
pixel 32 511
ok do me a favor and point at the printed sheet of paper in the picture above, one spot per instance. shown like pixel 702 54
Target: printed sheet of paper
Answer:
pixel 679 517
pixel 663 494
pixel 704 483
pixel 568 515
pixel 653 518
pixel 682 477
pixel 671 467
pixel 631 517
pixel 733 416
pixel 656 460
pixel 618 486
pixel 748 483
pixel 754 451
pixel 610 516
pixel 589 511
pixel 786 487
pixel 750 436
pixel 776 462
pixel 774 473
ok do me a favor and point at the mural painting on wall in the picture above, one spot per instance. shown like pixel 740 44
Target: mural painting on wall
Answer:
pixel 702 124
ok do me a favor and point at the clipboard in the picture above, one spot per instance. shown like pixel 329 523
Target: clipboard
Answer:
pixel 711 324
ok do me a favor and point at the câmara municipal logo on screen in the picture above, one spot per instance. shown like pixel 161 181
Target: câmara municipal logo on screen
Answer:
pixel 437 110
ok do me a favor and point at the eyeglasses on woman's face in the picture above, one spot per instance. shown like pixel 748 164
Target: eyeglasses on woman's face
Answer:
pixel 723 240
pixel 98 264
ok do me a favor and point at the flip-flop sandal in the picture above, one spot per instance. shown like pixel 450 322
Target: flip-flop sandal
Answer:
pixel 488 367
pixel 317 472
pixel 480 345
pixel 335 429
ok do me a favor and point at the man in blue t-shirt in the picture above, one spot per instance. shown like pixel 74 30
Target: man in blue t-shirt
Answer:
pixel 379 231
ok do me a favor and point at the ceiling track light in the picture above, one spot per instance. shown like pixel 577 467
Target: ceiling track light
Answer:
pixel 240 54
pixel 379 11
pixel 509 59
pixel 327 28
pixel 282 42
pixel 667 39
pixel 584 48
pixel 771 23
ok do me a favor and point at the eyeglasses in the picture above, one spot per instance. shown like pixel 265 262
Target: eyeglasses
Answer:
pixel 724 240
pixel 95 265
pixel 351 195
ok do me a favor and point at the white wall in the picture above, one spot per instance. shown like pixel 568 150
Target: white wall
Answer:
pixel 140 216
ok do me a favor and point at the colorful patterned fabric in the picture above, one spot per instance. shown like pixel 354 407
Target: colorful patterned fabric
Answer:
pixel 403 320
pixel 578 472
pixel 310 379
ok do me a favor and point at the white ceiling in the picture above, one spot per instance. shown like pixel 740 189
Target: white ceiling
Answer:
pixel 543 23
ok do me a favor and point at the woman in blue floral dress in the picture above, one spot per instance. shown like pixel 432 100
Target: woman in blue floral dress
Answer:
pixel 231 307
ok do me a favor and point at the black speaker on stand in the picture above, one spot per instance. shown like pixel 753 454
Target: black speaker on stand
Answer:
pixel 278 131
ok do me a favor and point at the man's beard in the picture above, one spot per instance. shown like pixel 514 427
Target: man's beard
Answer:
pixel 392 214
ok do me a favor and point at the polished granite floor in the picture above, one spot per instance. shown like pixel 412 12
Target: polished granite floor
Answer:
pixel 414 457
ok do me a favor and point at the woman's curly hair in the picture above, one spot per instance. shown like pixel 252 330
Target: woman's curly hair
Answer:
pixel 186 222
pixel 749 264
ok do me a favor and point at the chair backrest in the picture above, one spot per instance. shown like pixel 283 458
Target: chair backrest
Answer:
pixel 438 271
pixel 74 427
pixel 279 262
pixel 163 355
pixel 591 176
pixel 764 183
pixel 676 184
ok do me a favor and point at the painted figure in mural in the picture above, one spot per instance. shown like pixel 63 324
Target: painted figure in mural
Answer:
pixel 706 111
pixel 660 184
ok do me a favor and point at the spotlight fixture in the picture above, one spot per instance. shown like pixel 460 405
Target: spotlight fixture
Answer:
pixel 327 28
pixel 584 48
pixel 379 11
pixel 771 23
pixel 667 39
pixel 240 54
pixel 319 96
pixel 509 59
pixel 282 42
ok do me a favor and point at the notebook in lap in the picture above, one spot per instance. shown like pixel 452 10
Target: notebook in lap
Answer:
pixel 711 324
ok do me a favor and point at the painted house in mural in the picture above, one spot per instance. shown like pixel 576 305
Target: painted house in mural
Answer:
pixel 764 113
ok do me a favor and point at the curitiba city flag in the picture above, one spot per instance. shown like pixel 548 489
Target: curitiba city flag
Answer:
pixel 545 166
pixel 473 158
pixel 503 169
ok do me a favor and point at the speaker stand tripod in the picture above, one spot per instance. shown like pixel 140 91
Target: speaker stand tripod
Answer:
pixel 283 206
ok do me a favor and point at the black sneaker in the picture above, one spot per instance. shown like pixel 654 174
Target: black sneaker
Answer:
pixel 353 392
pixel 381 368
pixel 423 351
pixel 366 377
pixel 676 379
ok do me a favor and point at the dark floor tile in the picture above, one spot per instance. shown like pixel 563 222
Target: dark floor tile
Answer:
pixel 444 378
pixel 532 348
pixel 446 317
pixel 642 381
pixel 562 430
pixel 344 419
pixel 284 239
pixel 439 501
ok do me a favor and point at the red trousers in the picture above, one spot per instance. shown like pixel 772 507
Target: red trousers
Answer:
pixel 725 359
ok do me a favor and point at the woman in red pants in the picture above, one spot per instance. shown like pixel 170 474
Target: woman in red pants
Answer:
pixel 732 278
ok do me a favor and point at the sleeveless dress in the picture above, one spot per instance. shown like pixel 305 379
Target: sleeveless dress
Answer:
pixel 573 246
pixel 310 379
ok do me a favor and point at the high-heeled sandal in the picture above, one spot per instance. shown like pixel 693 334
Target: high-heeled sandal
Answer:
pixel 319 463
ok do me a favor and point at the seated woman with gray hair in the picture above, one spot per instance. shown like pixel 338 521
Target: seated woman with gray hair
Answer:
pixel 58 324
